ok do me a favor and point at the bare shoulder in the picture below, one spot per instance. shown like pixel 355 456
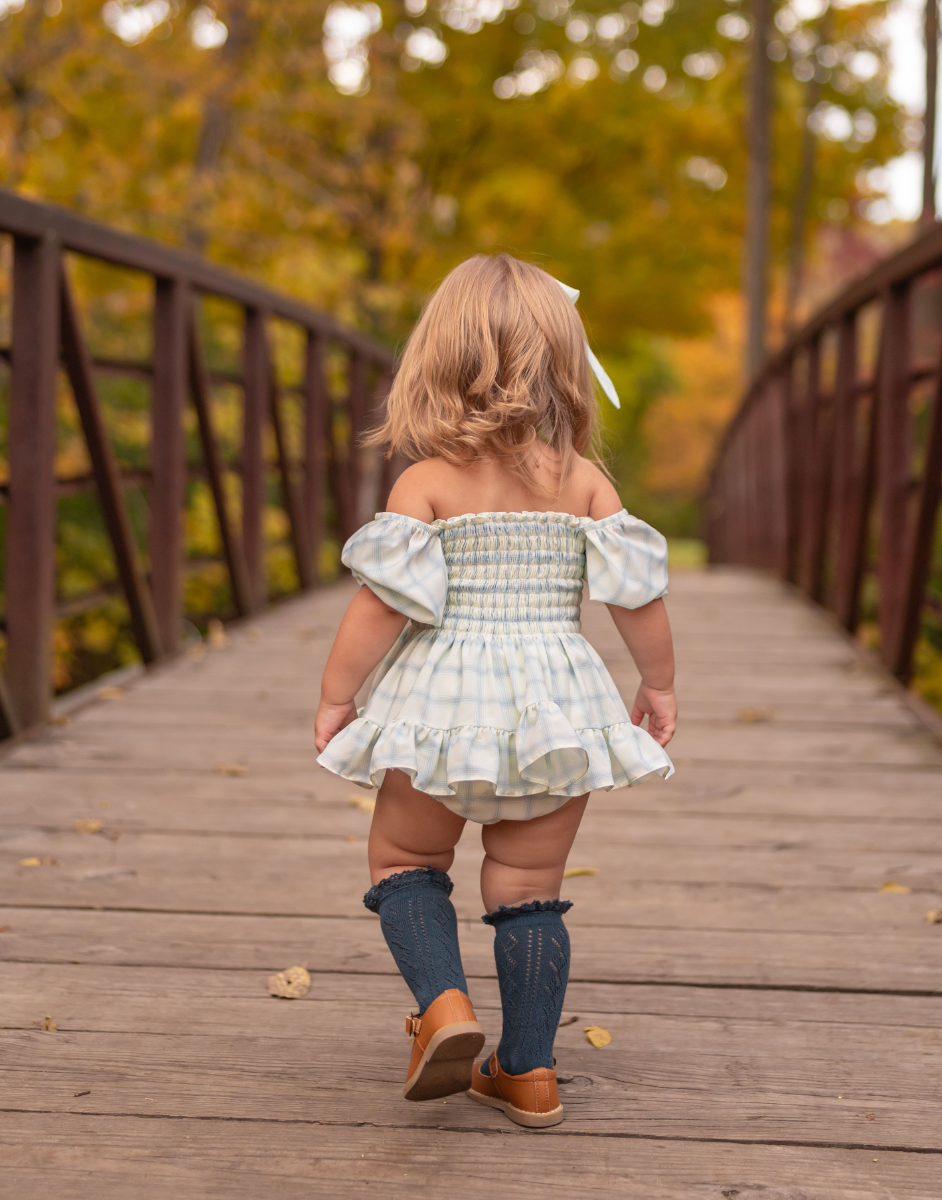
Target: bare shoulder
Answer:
pixel 602 498
pixel 413 494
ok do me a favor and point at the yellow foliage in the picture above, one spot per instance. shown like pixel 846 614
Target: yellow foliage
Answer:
pixel 683 427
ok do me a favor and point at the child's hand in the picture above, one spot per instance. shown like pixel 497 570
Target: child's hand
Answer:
pixel 661 706
pixel 330 719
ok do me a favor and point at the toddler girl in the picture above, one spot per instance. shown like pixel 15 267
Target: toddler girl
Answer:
pixel 488 704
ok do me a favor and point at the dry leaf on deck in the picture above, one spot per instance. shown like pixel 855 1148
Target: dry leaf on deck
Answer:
pixel 4 928
pixel 30 862
pixel 49 1025
pixel 291 984
pixel 899 888
pixel 934 916
pixel 110 693
pixel 571 872
pixel 567 1021
pixel 597 1036
pixel 750 716
pixel 364 803
pixel 216 634
pixel 231 769
pixel 90 825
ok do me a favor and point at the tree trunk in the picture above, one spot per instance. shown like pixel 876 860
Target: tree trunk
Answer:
pixel 758 187
pixel 799 226
pixel 928 144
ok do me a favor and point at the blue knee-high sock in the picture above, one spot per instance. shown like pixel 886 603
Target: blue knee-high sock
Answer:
pixel 421 929
pixel 531 949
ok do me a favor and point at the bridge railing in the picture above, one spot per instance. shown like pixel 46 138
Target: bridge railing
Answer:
pixel 311 470
pixel 831 471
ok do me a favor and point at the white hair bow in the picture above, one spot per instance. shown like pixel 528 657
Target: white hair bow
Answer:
pixel 597 369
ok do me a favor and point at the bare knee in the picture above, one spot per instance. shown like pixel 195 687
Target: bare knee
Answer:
pixel 410 830
pixel 525 860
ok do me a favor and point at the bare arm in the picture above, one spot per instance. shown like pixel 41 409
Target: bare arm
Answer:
pixel 367 632
pixel 647 634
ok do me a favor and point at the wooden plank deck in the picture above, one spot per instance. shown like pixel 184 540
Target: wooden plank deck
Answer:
pixel 776 1017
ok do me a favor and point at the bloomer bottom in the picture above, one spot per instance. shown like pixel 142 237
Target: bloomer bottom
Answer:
pixel 488 775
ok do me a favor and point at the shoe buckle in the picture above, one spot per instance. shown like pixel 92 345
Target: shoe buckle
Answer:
pixel 413 1024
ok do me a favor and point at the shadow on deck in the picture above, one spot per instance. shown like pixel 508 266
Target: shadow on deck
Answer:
pixel 774 1007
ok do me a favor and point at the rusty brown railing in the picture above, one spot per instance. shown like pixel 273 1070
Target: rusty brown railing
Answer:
pixel 323 479
pixel 830 473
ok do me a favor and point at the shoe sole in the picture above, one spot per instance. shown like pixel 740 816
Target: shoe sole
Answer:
pixel 445 1067
pixel 529 1120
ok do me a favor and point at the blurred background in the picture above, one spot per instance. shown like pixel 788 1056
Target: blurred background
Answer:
pixel 352 153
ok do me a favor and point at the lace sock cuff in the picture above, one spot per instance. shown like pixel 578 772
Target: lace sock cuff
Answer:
pixel 502 913
pixel 393 883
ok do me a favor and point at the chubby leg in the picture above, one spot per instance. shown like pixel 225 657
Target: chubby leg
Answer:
pixel 520 883
pixel 412 845
pixel 410 829
pixel 525 860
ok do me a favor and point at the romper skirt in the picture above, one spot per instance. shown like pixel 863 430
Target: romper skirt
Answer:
pixel 491 700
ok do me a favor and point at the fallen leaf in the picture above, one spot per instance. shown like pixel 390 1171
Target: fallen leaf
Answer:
pixel 231 769
pixel 899 889
pixel 216 634
pixel 597 1036
pixel 571 872
pixel 934 916
pixel 568 1021
pixel 30 862
pixel 364 803
pixel 49 1025
pixel 88 1093
pixel 4 928
pixel 350 838
pixel 870 1116
pixel 110 693
pixel 750 716
pixel 289 985
pixel 91 825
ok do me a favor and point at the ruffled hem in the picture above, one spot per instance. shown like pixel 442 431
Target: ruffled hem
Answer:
pixel 545 755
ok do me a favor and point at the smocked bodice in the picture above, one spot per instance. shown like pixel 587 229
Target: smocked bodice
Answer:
pixel 512 575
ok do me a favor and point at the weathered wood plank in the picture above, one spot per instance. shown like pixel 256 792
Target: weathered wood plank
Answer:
pixel 213 871
pixel 772 1083
pixel 97 997
pixel 741 958
pixel 222 1159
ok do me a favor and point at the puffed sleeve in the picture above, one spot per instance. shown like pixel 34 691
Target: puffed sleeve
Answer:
pixel 401 560
pixel 626 561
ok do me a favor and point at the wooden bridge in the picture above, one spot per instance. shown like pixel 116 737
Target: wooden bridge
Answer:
pixel 754 934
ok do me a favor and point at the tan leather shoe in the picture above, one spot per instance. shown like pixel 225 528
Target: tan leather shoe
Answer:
pixel 447 1037
pixel 531 1099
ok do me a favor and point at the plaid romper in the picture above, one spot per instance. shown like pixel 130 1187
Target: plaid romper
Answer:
pixel 491 700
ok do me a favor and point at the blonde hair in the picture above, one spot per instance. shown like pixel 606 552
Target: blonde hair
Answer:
pixel 496 363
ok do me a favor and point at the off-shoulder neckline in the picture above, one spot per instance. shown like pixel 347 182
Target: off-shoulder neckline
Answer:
pixel 485 518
